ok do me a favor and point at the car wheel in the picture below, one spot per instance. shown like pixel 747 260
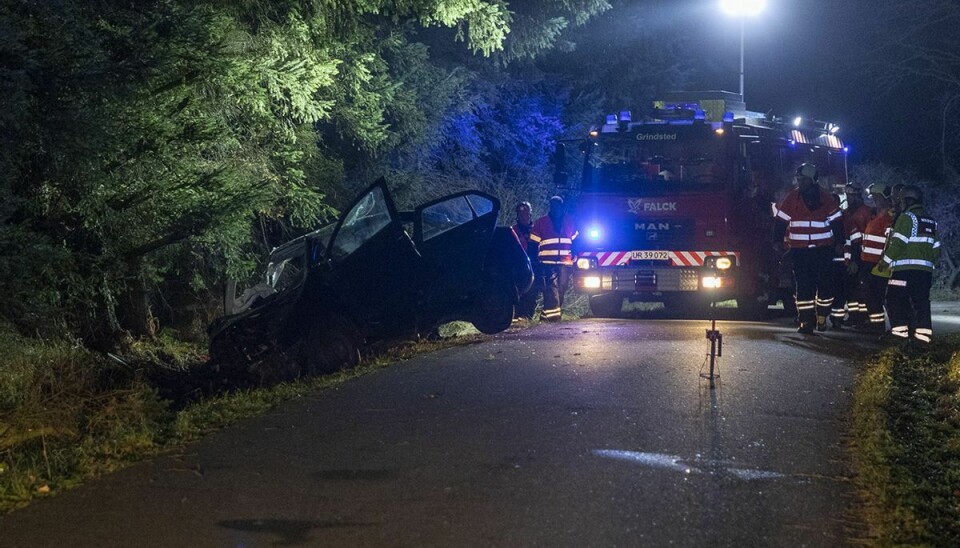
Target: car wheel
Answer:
pixel 328 347
pixel 606 306
pixel 494 310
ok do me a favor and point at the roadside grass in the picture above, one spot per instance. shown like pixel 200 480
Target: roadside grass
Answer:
pixel 906 445
pixel 68 414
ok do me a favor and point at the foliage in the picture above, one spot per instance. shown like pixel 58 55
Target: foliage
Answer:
pixel 149 132
pixel 907 446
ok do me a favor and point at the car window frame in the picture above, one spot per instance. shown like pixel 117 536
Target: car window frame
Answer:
pixel 391 211
pixel 418 212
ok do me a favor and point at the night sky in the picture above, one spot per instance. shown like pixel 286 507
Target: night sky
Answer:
pixel 805 58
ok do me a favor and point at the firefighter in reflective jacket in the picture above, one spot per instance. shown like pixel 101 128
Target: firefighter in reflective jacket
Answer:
pixel 809 224
pixel 873 287
pixel 554 233
pixel 848 298
pixel 911 255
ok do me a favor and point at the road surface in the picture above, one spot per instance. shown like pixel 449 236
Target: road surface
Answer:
pixel 586 433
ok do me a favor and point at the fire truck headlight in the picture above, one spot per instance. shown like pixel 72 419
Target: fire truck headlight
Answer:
pixel 711 282
pixel 584 264
pixel 724 263
pixel 591 282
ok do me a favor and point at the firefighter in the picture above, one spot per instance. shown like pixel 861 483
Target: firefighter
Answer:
pixel 873 285
pixel 809 223
pixel 847 298
pixel 554 234
pixel 523 227
pixel 911 255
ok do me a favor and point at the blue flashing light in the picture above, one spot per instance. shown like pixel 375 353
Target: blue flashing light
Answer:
pixel 846 149
pixel 594 233
pixel 728 116
pixel 611 118
pixel 625 116
pixel 700 115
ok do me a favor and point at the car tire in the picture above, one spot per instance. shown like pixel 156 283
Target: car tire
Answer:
pixel 328 347
pixel 494 309
pixel 608 305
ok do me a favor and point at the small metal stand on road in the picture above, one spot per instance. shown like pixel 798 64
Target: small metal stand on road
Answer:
pixel 716 347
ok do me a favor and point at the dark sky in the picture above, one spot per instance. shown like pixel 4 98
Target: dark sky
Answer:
pixel 803 57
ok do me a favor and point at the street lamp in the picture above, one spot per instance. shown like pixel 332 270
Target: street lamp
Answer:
pixel 742 9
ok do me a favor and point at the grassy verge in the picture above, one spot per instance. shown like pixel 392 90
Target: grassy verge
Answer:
pixel 68 414
pixel 906 445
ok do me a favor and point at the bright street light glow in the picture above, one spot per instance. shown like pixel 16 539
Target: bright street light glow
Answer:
pixel 797 121
pixel 743 8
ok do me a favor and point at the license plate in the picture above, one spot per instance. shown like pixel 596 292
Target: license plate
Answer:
pixel 649 256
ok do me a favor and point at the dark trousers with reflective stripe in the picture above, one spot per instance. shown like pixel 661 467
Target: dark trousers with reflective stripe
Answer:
pixel 908 303
pixel 874 289
pixel 841 290
pixel 554 278
pixel 813 273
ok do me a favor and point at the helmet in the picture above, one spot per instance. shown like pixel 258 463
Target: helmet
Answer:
pixel 879 188
pixel 808 170
pixel 524 205
pixel 912 192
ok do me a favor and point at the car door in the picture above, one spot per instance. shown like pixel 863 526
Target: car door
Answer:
pixel 453 234
pixel 374 264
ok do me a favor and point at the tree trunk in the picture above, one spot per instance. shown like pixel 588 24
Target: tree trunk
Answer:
pixel 134 309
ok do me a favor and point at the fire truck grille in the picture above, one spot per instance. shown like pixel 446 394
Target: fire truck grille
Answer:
pixel 655 279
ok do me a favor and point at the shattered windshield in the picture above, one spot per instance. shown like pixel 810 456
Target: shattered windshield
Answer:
pixel 632 165
pixel 368 217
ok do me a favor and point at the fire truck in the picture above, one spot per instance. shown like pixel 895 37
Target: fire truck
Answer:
pixel 677 207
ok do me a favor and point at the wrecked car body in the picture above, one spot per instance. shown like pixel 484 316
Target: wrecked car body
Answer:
pixel 365 279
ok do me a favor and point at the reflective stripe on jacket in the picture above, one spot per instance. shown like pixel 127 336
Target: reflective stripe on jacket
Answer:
pixel 807 228
pixel 556 246
pixel 913 242
pixel 875 237
pixel 854 224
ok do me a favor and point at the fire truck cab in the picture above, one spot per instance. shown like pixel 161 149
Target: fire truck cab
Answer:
pixel 678 207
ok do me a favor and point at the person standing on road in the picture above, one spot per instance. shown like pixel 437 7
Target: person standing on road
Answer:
pixel 554 234
pixel 848 300
pixel 911 255
pixel 809 224
pixel 873 285
pixel 524 226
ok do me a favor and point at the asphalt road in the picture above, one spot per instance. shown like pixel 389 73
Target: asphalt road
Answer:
pixel 587 433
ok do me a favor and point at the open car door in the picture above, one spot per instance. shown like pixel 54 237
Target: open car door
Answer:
pixel 374 264
pixel 453 235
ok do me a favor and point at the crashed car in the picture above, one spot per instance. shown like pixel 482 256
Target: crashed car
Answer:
pixel 375 275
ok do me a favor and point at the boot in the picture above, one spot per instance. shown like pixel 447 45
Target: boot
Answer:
pixel 821 323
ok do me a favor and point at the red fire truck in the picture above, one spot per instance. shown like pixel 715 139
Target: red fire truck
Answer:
pixel 677 207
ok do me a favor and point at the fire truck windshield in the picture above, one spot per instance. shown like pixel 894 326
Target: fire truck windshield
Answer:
pixel 642 167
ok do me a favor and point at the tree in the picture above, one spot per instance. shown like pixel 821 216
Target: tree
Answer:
pixel 167 141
